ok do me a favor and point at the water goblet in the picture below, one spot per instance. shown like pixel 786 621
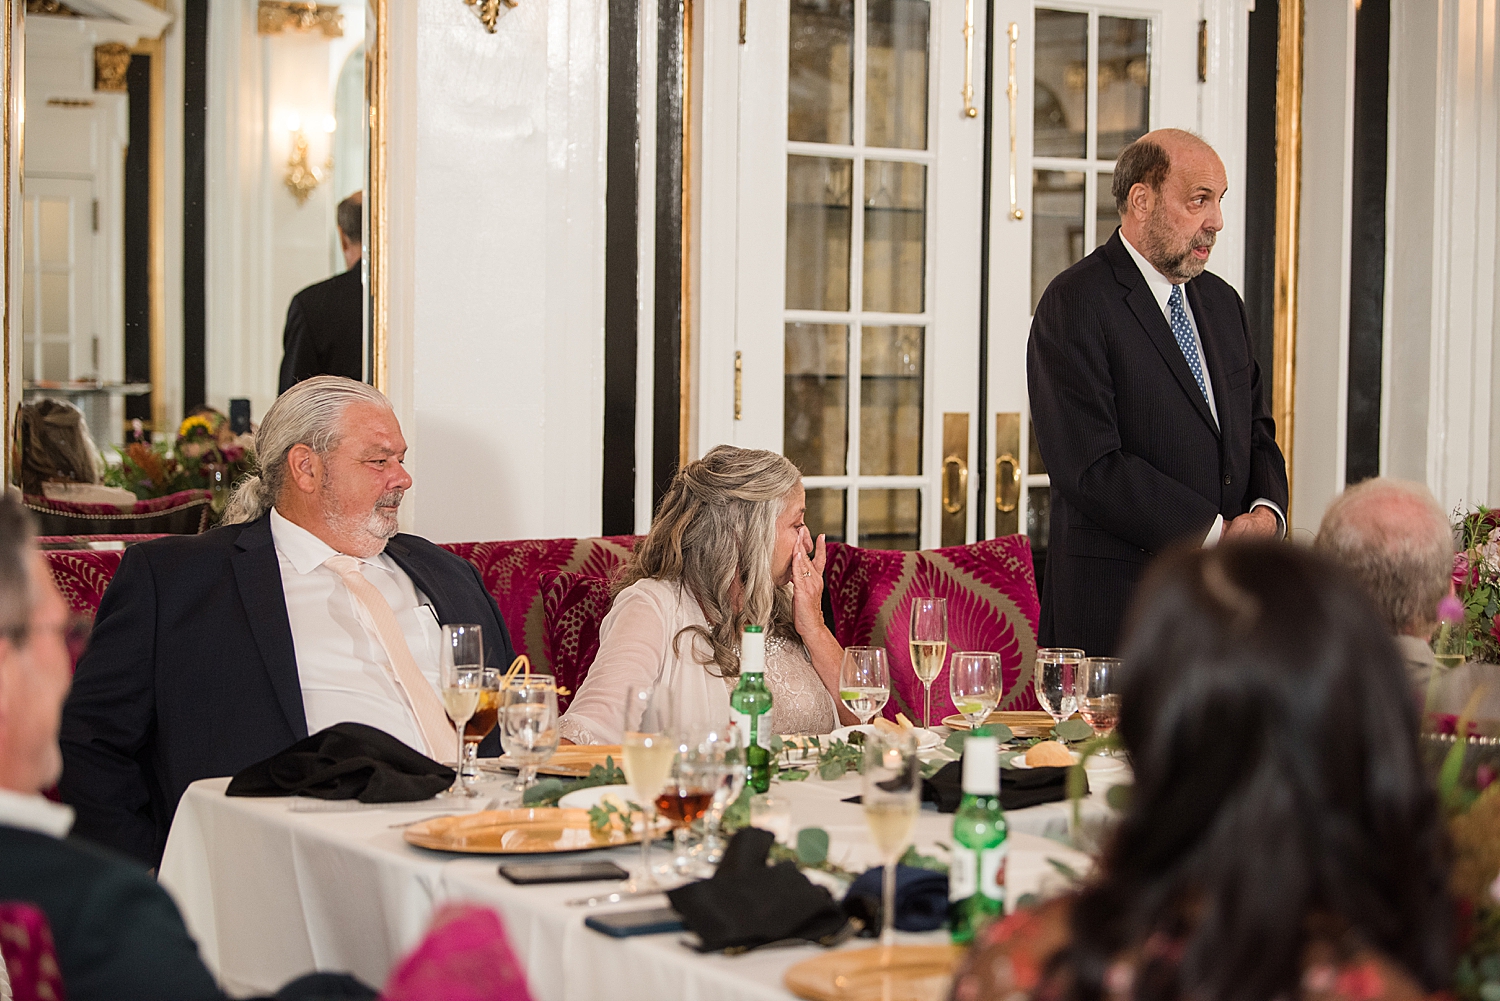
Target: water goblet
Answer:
pixel 530 724
pixel 1099 693
pixel 975 683
pixel 1054 681
pixel 864 681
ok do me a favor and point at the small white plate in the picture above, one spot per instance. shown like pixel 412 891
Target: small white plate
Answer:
pixel 926 739
pixel 1019 761
pixel 584 799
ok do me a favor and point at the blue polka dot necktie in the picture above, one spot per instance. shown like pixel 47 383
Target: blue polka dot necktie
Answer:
pixel 1183 331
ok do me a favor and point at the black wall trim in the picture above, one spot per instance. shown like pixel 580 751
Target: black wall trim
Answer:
pixel 138 238
pixel 194 233
pixel 982 439
pixel 1260 188
pixel 667 357
pixel 1372 61
pixel 621 267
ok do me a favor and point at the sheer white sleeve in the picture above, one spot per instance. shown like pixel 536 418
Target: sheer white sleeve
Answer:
pixel 632 647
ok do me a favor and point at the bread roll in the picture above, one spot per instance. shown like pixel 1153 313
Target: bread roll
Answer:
pixel 1048 754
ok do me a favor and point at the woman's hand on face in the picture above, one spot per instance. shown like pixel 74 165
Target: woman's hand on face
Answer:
pixel 807 585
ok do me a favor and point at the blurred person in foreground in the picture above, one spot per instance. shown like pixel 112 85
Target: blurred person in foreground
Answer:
pixel 1282 839
pixel 728 549
pixel 117 934
pixel 1395 539
pixel 305 608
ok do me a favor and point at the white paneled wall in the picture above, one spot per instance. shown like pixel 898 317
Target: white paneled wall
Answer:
pixel 496 156
pixel 1443 415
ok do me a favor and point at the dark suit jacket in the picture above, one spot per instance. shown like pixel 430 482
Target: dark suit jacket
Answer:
pixel 117 933
pixel 325 330
pixel 1136 461
pixel 191 673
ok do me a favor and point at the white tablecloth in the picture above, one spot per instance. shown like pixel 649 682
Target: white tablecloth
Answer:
pixel 271 892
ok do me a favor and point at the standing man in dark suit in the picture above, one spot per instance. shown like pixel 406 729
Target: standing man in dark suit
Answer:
pixel 213 652
pixel 1146 398
pixel 325 324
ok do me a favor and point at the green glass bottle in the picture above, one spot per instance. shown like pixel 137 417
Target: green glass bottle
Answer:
pixel 976 878
pixel 750 707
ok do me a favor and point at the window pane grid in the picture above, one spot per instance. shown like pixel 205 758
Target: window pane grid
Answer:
pixel 883 384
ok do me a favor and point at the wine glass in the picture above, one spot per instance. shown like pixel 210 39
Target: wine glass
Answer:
pixel 691 785
pixel 975 682
pixel 864 681
pixel 1098 684
pixel 647 752
pixel 1056 687
pixel 461 677
pixel 530 724
pixel 486 717
pixel 891 796
pixel 929 645
pixel 732 775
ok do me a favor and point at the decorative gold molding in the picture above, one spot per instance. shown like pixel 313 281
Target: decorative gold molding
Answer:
pixel 276 16
pixel 1288 215
pixel 488 11
pixel 111 66
pixel 685 317
pixel 51 8
pixel 12 145
pixel 156 269
pixel 376 198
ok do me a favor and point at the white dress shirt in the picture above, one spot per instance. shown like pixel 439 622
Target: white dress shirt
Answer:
pixel 345 673
pixel 1161 287
pixel 35 813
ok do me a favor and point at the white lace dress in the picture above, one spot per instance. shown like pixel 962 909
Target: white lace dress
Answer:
pixel 636 647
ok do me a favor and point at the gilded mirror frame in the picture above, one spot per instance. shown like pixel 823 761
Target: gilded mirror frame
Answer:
pixel 12 157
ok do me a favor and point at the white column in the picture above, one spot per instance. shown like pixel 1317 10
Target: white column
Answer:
pixel 496 153
pixel 1443 415
pixel 1321 391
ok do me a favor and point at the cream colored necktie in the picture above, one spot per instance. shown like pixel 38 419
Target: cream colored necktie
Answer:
pixel 442 739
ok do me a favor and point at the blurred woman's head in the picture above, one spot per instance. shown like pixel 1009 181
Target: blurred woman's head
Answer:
pixel 726 530
pixel 53 443
pixel 1279 799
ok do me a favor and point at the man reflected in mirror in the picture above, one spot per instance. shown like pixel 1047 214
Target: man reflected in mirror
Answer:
pixel 325 322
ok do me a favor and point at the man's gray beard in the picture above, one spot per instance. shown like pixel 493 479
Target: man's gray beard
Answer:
pixel 374 529
pixel 1178 265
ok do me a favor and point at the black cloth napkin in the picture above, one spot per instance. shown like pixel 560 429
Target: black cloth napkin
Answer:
pixel 1019 787
pixel 346 761
pixel 921 899
pixel 747 903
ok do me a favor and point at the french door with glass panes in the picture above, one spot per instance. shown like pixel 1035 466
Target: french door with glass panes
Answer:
pixel 841 281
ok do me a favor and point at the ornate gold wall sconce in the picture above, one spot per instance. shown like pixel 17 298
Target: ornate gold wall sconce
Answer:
pixel 302 178
pixel 111 64
pixel 488 11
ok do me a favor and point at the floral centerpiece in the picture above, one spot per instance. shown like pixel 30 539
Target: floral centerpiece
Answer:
pixel 1476 582
pixel 205 455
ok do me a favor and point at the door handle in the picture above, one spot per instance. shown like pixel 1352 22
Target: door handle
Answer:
pixel 955 483
pixel 970 111
pixel 1007 483
pixel 1011 94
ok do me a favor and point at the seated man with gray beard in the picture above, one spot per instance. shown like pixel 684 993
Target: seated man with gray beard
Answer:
pixel 304 609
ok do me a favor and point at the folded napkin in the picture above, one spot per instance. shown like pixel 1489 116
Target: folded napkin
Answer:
pixel 1019 787
pixel 921 899
pixel 346 761
pixel 747 903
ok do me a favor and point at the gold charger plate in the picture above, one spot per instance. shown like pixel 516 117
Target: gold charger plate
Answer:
pixel 571 760
pixel 902 973
pixel 1025 723
pixel 515 832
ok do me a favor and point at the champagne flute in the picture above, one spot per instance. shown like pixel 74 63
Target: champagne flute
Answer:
pixel 891 797
pixel 929 645
pixel 486 717
pixel 1054 682
pixel 975 683
pixel 1099 693
pixel 864 681
pixel 460 675
pixel 647 750
pixel 530 727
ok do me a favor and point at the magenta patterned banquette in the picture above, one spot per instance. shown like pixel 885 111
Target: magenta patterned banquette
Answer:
pixel 553 593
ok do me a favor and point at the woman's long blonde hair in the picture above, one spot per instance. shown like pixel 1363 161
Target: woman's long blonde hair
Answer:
pixel 717 525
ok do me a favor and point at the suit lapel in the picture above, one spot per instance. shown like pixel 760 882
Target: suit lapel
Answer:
pixel 424 576
pixel 258 574
pixel 1148 313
